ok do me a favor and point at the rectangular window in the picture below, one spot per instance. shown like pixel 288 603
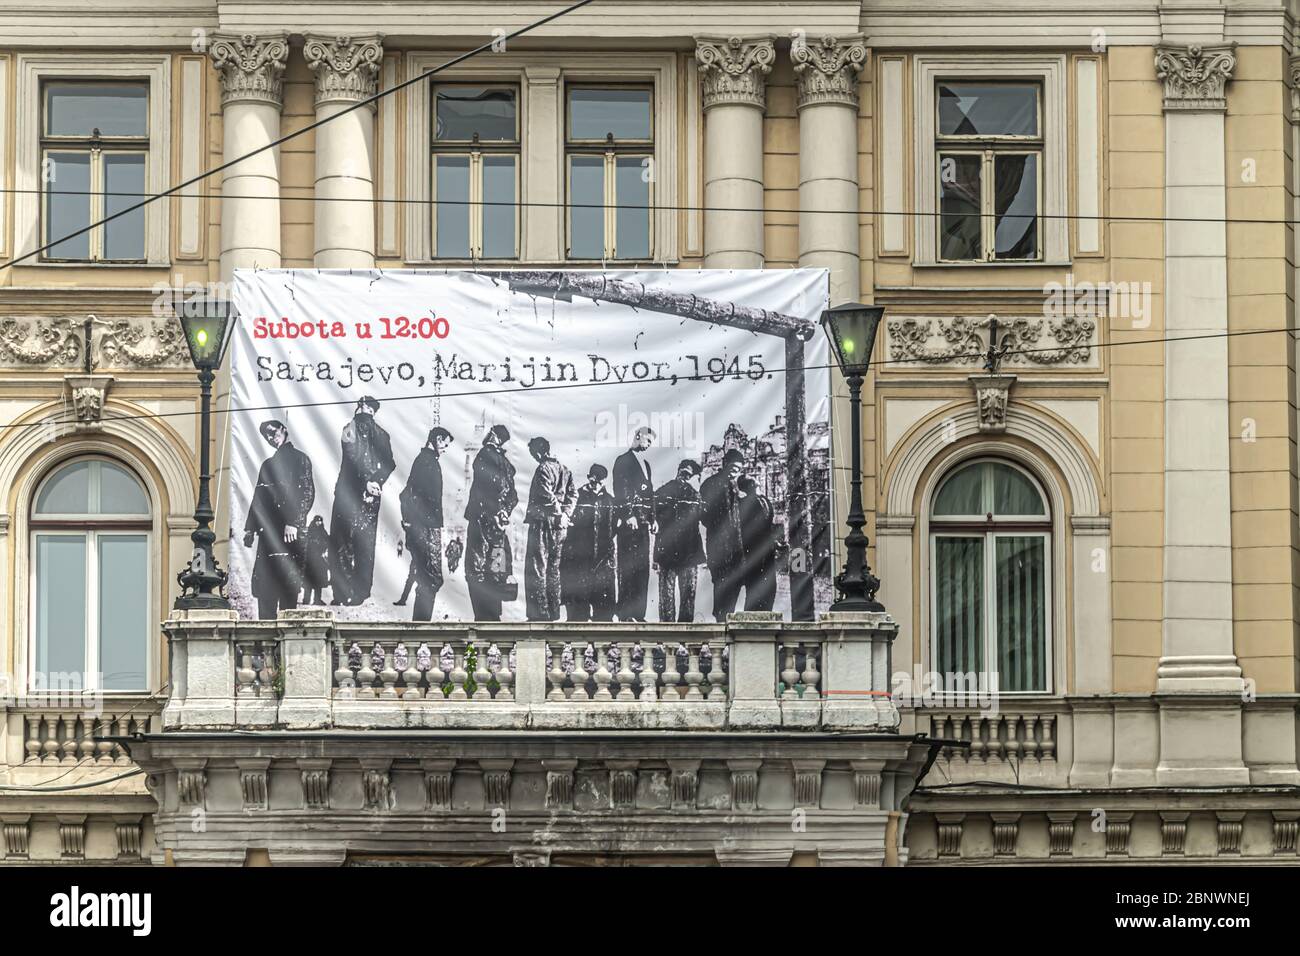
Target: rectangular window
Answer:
pixel 609 145
pixel 475 172
pixel 94 157
pixel 989 145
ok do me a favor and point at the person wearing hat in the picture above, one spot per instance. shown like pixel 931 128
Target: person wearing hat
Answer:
pixel 762 537
pixel 724 548
pixel 587 567
pixel 492 496
pixel 421 502
pixel 366 463
pixel 679 552
pixel 551 500
pixel 277 518
pixel 634 493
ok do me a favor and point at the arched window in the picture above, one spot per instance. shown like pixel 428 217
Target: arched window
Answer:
pixel 90 579
pixel 990 547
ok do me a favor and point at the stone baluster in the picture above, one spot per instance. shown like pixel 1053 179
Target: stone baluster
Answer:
pixel 245 674
pixel 693 676
pixel 345 682
pixel 1014 749
pixel 482 675
pixel 125 726
pixel 557 674
pixel 977 745
pixel 387 674
pixel 996 748
pixel 602 677
pixel 32 747
pixel 446 664
pixel 410 673
pixel 1049 736
pixel 458 678
pixel 86 739
pixel 671 677
pixel 646 675
pixel 366 677
pixel 506 677
pixel 811 676
pixel 790 675
pixel 68 725
pixel 626 676
pixel 103 748
pixel 717 673
pixel 50 740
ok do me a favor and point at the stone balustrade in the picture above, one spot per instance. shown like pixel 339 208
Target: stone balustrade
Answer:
pixel 306 670
pixel 37 737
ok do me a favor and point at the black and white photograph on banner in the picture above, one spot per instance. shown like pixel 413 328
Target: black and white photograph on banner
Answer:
pixel 541 446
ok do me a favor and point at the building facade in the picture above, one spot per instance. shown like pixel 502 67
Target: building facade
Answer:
pixel 1079 438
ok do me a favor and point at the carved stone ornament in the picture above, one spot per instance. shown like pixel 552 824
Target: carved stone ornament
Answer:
pixel 40 342
pixel 733 71
pixel 124 343
pixel 88 393
pixel 1195 76
pixel 963 340
pixel 1294 75
pixel 252 67
pixel 827 69
pixel 346 67
pixel 992 395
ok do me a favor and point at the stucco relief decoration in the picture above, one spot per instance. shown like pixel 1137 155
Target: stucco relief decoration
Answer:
pixel 150 343
pixel 89 392
pixel 992 396
pixel 828 69
pixel 40 342
pixel 733 70
pixel 347 68
pixel 963 340
pixel 1195 76
pixel 252 67
pixel 1294 75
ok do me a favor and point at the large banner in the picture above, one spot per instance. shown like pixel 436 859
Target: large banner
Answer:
pixel 648 446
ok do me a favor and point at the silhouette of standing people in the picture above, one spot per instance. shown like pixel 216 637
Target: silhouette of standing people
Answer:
pixel 277 518
pixel 551 500
pixel 492 496
pixel 587 558
pixel 421 502
pixel 635 497
pixel 760 536
pixel 678 549
pixel 724 549
pixel 367 461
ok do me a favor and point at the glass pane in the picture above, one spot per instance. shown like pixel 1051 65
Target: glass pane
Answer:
pixel 64 214
pixel 462 111
pixel 1015 184
pixel 959 611
pixel 451 187
pixel 586 215
pixel 1021 613
pixel 594 114
pixel 119 492
pixel 60 610
pixel 115 109
pixel 632 225
pixel 499 220
pixel 1014 494
pixel 67 492
pixel 962 494
pixel 959 207
pixel 123 611
pixel 124 237
pixel 976 109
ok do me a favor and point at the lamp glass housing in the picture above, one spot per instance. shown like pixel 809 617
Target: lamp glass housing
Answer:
pixel 207 324
pixel 852 330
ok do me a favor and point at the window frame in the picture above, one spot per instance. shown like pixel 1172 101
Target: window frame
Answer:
pixel 95 147
pixel 1049 72
pixel 90 528
pixel 33 70
pixel 543 170
pixel 989 147
pixel 989 530
pixel 475 150
pixel 611 150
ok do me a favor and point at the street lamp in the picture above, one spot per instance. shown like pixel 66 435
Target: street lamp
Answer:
pixel 206 324
pixel 852 331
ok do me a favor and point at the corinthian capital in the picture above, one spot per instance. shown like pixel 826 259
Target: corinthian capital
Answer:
pixel 827 69
pixel 732 70
pixel 1195 76
pixel 252 67
pixel 347 68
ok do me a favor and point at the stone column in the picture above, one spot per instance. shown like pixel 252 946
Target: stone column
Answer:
pixel 347 69
pixel 1200 742
pixel 732 77
pixel 827 71
pixel 252 94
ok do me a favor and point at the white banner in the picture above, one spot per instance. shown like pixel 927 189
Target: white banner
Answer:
pixel 530 445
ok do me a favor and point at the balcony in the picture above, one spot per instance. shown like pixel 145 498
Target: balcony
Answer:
pixel 305 671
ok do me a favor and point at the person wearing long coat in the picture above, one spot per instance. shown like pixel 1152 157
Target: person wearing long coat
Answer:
pixel 489 565
pixel 762 539
pixel 277 518
pixel 421 502
pixel 723 548
pixel 634 493
pixel 587 567
pixel 678 551
pixel 551 500
pixel 367 461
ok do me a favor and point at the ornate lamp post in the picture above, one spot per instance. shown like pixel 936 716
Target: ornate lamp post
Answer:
pixel 852 331
pixel 207 324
